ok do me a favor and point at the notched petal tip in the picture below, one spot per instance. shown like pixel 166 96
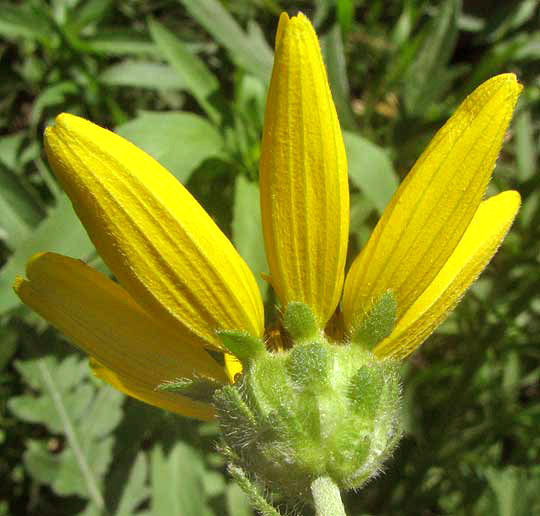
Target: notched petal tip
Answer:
pixel 18 283
pixel 48 132
pixel 297 26
pixel 34 259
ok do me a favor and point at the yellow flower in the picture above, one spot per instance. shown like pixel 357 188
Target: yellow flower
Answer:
pixel 179 278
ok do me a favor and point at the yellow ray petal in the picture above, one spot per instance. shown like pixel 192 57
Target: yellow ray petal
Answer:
pixel 143 391
pixel 101 318
pixel 434 205
pixel 476 248
pixel 154 236
pixel 303 175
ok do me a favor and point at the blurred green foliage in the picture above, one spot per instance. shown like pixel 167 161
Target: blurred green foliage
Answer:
pixel 186 81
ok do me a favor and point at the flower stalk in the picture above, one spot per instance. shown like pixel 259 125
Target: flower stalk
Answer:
pixel 327 498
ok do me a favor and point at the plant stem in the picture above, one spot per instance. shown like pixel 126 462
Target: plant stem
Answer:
pixel 327 497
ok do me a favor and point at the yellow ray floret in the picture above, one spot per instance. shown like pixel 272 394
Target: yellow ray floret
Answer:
pixel 101 318
pixel 434 205
pixel 475 249
pixel 154 236
pixel 303 175
pixel 141 390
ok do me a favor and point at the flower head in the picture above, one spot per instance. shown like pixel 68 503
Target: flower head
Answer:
pixel 183 289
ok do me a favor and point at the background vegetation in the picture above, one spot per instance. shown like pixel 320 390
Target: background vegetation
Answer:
pixel 186 81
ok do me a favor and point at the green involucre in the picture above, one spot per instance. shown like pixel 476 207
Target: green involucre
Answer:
pixel 318 409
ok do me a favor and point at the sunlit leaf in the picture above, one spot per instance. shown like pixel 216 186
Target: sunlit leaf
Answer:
pixel 248 50
pixel 424 76
pixel 247 229
pixel 176 477
pixel 19 210
pixel 60 232
pixel 69 405
pixel 199 81
pixel 179 141
pixel 143 74
pixel 370 169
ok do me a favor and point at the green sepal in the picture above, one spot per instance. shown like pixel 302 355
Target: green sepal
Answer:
pixel 300 322
pixel 307 365
pixel 377 323
pixel 233 409
pixel 365 391
pixel 316 409
pixel 241 344
pixel 197 388
pixel 257 499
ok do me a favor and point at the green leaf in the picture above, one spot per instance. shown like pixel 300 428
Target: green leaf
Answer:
pixel 501 56
pixel 178 482
pixel 345 14
pixel 361 209
pixel 332 47
pixel 61 472
pixel 509 485
pixel 76 396
pixel 142 74
pixel 403 28
pixel 179 141
pixel 8 345
pixel 10 146
pixel 525 146
pixel 24 22
pixel 509 17
pixel 248 50
pixel 428 74
pixel 121 43
pixel 247 229
pixel 19 211
pixel 90 12
pixel 214 484
pixel 52 96
pixel 371 170
pixel 60 232
pixel 135 489
pixel 67 401
pixel 199 81
pixel 237 501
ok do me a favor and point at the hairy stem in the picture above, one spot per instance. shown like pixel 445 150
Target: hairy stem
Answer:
pixel 327 497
